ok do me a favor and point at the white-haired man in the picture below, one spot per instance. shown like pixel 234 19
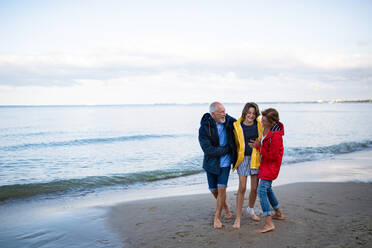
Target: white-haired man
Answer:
pixel 216 139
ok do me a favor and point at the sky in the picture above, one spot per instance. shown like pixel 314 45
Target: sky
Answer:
pixel 73 52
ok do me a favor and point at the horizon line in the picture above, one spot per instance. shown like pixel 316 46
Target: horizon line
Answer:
pixel 201 103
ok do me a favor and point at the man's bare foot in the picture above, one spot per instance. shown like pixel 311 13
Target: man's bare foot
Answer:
pixel 278 216
pixel 217 223
pixel 236 224
pixel 266 228
pixel 255 217
pixel 228 214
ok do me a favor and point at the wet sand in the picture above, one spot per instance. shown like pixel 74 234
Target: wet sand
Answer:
pixel 317 214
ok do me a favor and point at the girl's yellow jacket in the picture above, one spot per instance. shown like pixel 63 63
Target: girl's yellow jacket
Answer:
pixel 240 145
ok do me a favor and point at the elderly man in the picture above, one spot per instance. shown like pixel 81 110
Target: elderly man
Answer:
pixel 216 138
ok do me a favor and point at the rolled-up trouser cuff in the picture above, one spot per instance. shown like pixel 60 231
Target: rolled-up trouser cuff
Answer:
pixel 268 213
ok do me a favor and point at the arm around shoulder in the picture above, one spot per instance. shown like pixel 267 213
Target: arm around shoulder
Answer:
pixel 207 146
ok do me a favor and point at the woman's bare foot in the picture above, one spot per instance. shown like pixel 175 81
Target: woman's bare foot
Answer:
pixel 217 223
pixel 236 224
pixel 266 228
pixel 278 216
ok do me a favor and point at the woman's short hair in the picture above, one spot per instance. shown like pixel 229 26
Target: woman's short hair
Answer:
pixel 248 106
pixel 271 115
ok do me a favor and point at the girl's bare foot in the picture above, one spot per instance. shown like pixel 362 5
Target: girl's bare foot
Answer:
pixel 251 213
pixel 236 224
pixel 255 217
pixel 266 228
pixel 217 223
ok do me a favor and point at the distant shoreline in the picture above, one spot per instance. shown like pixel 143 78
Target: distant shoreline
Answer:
pixel 185 104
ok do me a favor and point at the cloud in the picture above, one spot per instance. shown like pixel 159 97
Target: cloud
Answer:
pixel 122 73
pixel 364 42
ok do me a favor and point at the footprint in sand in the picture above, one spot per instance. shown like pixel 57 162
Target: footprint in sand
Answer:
pixel 183 233
pixel 315 211
pixel 188 226
pixel 152 209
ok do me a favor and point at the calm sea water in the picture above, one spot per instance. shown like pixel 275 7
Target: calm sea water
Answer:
pixel 58 150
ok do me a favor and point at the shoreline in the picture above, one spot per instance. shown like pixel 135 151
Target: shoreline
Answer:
pixel 88 220
pixel 326 204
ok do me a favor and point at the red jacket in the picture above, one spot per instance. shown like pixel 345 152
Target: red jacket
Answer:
pixel 271 154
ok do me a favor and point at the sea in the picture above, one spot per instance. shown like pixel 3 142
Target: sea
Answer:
pixel 54 158
pixel 54 150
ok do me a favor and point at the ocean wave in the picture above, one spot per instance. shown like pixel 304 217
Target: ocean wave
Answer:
pixel 87 183
pixel 88 141
pixel 29 134
pixel 303 154
pixel 192 165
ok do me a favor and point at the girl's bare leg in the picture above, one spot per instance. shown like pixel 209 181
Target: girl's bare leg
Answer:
pixel 240 200
pixel 253 196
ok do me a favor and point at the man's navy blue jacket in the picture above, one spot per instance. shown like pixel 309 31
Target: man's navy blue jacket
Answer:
pixel 209 142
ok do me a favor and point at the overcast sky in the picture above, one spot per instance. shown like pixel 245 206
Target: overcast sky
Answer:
pixel 123 52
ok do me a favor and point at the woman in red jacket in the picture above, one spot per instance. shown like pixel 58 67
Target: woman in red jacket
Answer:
pixel 271 149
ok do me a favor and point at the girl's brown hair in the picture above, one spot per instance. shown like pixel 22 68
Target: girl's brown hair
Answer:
pixel 250 105
pixel 271 114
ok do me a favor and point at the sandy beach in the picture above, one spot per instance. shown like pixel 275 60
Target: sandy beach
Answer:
pixel 317 215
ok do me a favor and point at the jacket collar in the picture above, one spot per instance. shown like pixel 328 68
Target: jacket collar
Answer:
pixel 207 117
pixel 280 132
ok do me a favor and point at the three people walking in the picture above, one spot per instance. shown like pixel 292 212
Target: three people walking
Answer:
pixel 254 147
